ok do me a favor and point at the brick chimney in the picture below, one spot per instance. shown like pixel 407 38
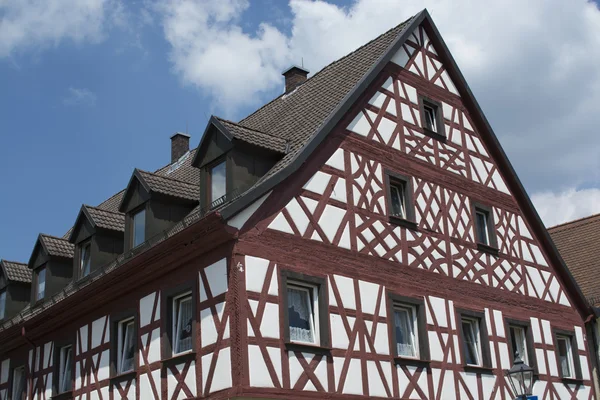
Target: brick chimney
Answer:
pixel 180 144
pixel 294 76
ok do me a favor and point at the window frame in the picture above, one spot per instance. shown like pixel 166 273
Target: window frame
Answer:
pixel 209 167
pixel 3 294
pixel 62 368
pixel 115 345
pixel 81 246
pixel 492 245
pixel 56 373
pixel 421 332
pixel 484 342
pixel 409 221
pixel 531 359
pixel 133 213
pixel 167 323
pixel 38 270
pixel 319 285
pixel 440 132
pixel 572 340
pixel 313 298
pixel 12 382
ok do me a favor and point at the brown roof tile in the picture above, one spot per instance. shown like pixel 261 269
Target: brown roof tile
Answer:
pixel 57 246
pixel 114 221
pixel 16 271
pixel 578 243
pixel 170 187
pixel 255 137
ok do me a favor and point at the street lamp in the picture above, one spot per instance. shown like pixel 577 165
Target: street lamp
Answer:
pixel 520 377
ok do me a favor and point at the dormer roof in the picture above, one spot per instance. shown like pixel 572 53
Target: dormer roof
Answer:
pixel 53 246
pixel 166 186
pixel 98 218
pixel 15 271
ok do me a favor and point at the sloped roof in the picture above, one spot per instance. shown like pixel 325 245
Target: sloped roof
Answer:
pixel 16 271
pixel 579 245
pixel 56 246
pixel 169 186
pixel 114 221
pixel 254 137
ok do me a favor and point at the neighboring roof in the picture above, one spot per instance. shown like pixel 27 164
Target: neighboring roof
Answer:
pixel 16 271
pixel 579 245
pixel 55 246
pixel 254 137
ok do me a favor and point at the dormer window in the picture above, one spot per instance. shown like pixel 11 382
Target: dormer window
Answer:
pixel 139 227
pixel 218 187
pixel 2 304
pixel 40 286
pixel 84 259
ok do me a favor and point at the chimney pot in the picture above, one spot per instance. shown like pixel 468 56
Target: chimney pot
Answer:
pixel 294 76
pixel 180 144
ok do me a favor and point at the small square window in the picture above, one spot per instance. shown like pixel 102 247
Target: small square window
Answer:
pixel 126 346
pixel 303 309
pixel 18 383
pixel 471 341
pixel 565 356
pixel 2 304
pixel 64 374
pixel 84 259
pixel 406 331
pixel 139 228
pixel 518 340
pixel 182 323
pixel 40 289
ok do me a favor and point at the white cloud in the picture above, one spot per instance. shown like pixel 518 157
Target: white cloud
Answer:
pixel 37 24
pixel 557 208
pixel 532 65
pixel 79 97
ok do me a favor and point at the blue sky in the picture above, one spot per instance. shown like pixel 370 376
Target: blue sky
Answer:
pixel 80 110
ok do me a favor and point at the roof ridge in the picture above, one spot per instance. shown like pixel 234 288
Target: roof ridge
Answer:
pixel 101 209
pixel 165 177
pixel 578 220
pixel 12 262
pixel 54 237
pixel 331 64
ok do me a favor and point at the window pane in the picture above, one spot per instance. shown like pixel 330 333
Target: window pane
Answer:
pixel 398 200
pixel 482 227
pixel 139 228
pixel 127 347
pixel 563 356
pixel 65 369
pixel 519 343
pixel 471 337
pixel 41 284
pixel 85 259
pixel 2 304
pixel 405 332
pixel 18 384
pixel 183 327
pixel 430 121
pixel 301 315
pixel 217 182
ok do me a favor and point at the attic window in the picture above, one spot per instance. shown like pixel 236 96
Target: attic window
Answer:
pixel 84 259
pixel 432 119
pixel 218 181
pixel 139 227
pixel 2 304
pixel 40 287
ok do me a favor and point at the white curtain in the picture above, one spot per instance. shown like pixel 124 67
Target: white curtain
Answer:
pixel 183 337
pixel 404 333
pixel 301 318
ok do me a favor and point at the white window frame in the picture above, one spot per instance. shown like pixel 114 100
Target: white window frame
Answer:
pixel 486 221
pixel 476 323
pixel 570 360
pixel 62 366
pixel 175 318
pixel 2 304
pixel 313 293
pixel 434 112
pixel 122 331
pixel 37 284
pixel 415 328
pixel 15 392
pixel 399 187
pixel 525 353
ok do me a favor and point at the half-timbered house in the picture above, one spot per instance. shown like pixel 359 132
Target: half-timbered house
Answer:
pixel 363 235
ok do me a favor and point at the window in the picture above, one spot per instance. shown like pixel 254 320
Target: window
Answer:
pixel 126 346
pixel 64 375
pixel 182 323
pixel 139 227
pixel 84 259
pixel 485 233
pixel 565 356
pixel 303 311
pixel 399 199
pixel 18 383
pixel 306 318
pixel 406 331
pixel 40 291
pixel 2 304
pixel 432 119
pixel 218 186
pixel 471 341
pixel 518 340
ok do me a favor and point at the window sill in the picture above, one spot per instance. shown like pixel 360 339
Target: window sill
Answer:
pixel 179 358
pixel 568 381
pixel 403 223
pixel 417 362
pixel 434 135
pixel 309 348
pixel 123 377
pixel 487 249
pixel 63 396
pixel 478 369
